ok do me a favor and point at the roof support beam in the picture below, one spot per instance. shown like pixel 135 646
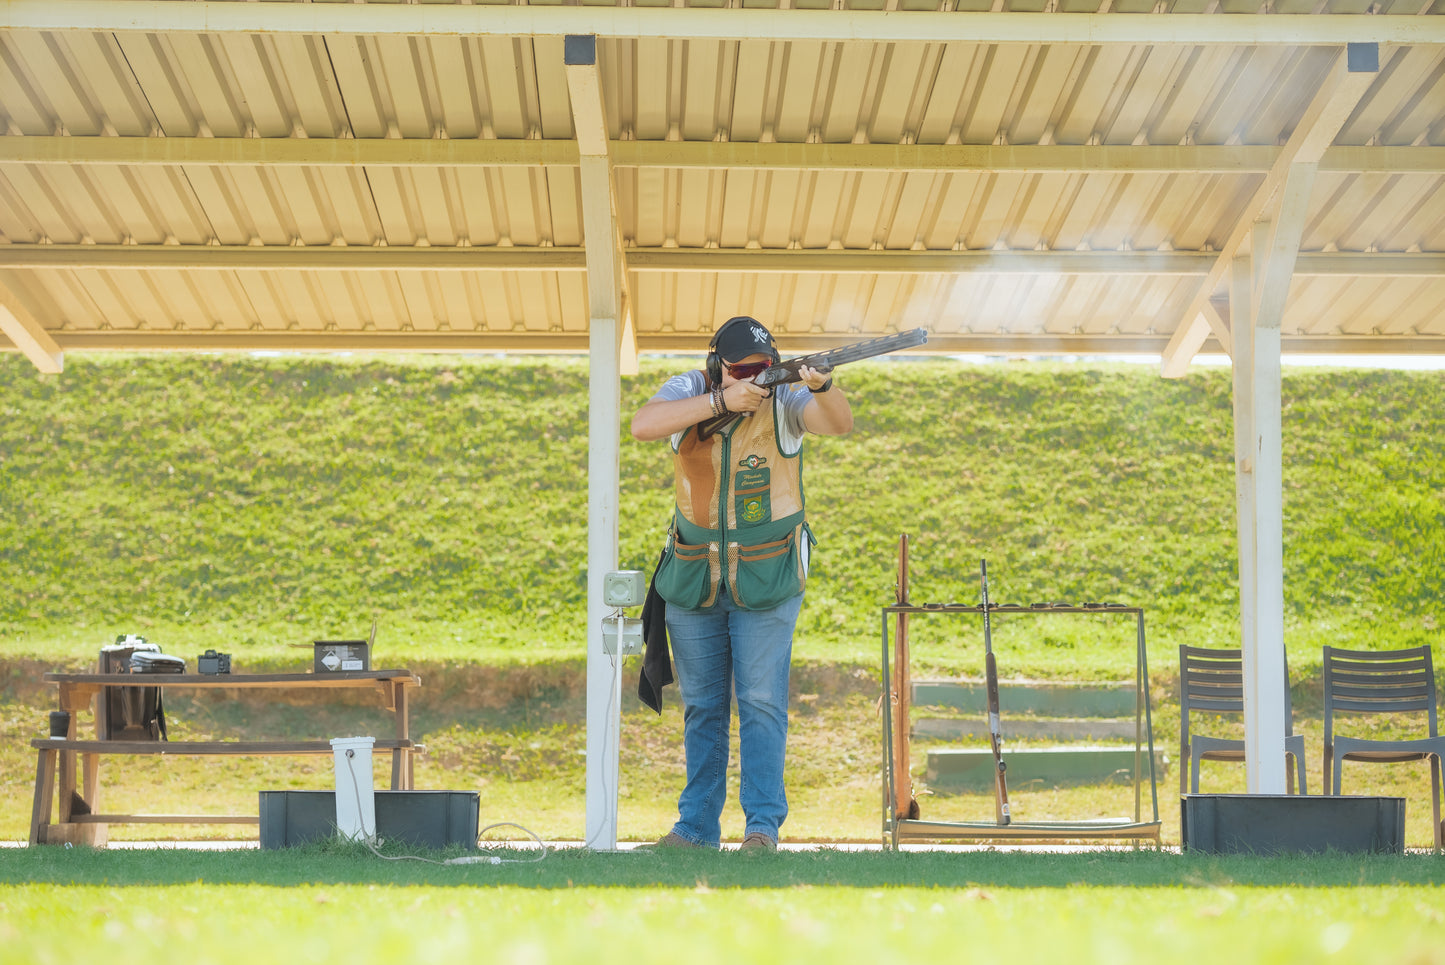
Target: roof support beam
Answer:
pixel 293 258
pixel 454 20
pixel 982 261
pixel 720 155
pixel 28 334
pixel 606 265
pixel 289 151
pixel 509 340
pixel 605 304
pixel 1217 312
pixel 1259 287
pixel 790 261
pixel 1277 260
pixel 1331 107
pixel 1259 485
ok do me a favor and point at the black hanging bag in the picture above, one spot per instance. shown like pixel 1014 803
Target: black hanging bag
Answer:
pixel 134 713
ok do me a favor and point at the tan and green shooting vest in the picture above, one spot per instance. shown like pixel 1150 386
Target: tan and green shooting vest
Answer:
pixel 738 518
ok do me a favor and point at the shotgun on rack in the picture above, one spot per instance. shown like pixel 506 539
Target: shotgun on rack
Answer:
pixel 905 802
pixel 995 736
pixel 786 371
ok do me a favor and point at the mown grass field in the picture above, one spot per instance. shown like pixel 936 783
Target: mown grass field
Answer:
pixel 253 505
pixel 334 906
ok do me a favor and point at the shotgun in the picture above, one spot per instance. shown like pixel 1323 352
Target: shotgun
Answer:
pixel 995 737
pixel 786 371
pixel 905 802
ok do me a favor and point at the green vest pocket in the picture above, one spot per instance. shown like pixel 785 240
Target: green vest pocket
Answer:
pixel 764 575
pixel 686 578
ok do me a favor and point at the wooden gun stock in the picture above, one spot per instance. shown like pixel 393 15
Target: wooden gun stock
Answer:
pixel 905 803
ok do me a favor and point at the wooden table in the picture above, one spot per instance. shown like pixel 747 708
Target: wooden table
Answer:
pixel 78 818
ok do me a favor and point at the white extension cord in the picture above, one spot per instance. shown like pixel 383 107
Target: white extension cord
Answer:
pixel 366 839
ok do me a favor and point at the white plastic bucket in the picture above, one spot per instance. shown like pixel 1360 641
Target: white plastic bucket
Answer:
pixel 355 795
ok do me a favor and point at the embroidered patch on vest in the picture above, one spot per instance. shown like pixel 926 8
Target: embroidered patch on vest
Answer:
pixel 753 461
pixel 751 487
pixel 751 479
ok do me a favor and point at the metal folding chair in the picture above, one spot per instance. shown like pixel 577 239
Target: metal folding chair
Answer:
pixel 1382 682
pixel 1212 681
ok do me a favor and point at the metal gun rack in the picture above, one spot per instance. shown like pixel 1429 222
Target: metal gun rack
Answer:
pixel 898 828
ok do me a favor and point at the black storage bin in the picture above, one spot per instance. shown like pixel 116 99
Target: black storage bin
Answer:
pixel 429 819
pixel 1291 823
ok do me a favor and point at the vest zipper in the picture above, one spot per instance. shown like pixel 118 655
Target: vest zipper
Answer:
pixel 724 486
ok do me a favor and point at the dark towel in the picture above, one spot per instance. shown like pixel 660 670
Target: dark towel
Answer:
pixel 656 660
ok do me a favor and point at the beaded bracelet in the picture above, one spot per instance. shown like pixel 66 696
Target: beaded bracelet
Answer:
pixel 719 406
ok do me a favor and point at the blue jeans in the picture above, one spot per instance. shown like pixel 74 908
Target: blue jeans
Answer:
pixel 712 649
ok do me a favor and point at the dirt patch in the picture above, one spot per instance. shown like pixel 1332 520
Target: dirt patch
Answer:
pixel 555 691
pixel 21 680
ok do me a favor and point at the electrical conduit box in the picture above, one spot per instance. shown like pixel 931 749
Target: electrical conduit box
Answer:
pixel 631 631
pixel 355 792
pixel 622 589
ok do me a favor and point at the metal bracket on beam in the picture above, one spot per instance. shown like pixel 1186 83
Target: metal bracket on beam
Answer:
pixel 1362 58
pixel 580 50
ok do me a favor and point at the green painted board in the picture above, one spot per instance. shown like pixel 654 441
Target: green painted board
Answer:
pixel 1042 699
pixel 971 769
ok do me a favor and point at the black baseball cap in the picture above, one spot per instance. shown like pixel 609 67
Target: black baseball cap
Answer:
pixel 741 336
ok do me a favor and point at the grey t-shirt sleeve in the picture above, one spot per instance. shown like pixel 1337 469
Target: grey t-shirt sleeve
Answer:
pixel 790 419
pixel 684 386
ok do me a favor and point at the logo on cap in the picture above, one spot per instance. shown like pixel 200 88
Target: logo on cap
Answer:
pixel 760 335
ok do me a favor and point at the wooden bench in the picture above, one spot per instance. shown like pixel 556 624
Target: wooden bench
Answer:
pixel 79 821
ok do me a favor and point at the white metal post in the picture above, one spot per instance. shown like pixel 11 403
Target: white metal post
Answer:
pixel 603 712
pixel 1263 643
pixel 1242 339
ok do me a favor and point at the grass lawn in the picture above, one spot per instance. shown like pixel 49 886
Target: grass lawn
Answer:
pixel 253 506
pixel 518 739
pixel 342 905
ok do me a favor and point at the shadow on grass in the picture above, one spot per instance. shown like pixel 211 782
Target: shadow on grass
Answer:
pixel 345 864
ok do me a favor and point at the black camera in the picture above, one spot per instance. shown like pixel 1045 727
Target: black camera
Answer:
pixel 213 662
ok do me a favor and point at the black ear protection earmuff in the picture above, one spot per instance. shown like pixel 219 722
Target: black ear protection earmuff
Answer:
pixel 714 360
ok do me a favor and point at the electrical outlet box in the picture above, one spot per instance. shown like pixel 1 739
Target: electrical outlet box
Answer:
pixel 624 588
pixel 631 636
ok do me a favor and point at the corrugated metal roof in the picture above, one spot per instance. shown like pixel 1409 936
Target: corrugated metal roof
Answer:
pixel 166 188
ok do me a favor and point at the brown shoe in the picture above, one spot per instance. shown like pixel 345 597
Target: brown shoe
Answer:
pixel 670 841
pixel 758 841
